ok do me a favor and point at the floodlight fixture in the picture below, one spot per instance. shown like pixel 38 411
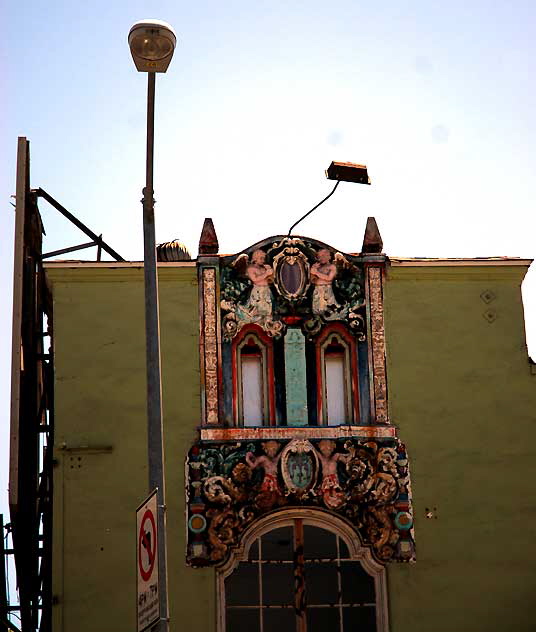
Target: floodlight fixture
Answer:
pixel 348 172
pixel 152 43
pixel 341 172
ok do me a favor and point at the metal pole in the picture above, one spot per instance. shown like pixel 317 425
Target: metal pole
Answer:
pixel 155 435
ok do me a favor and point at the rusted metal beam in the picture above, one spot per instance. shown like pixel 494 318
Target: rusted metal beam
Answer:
pixel 41 193
pixel 30 489
pixel 3 585
pixel 62 251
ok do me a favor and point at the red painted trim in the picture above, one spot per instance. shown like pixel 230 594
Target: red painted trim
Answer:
pixel 328 330
pixel 269 373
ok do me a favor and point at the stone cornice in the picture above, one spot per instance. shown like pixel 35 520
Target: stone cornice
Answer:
pixel 295 432
pixel 116 272
pixel 458 270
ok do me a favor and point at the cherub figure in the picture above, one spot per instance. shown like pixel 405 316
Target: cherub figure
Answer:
pixel 330 488
pixel 259 303
pixel 269 492
pixel 322 275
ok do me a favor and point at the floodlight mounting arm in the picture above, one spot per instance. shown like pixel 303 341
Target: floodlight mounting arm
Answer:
pixel 314 208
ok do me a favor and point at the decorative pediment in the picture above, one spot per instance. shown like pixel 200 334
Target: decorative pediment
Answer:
pixel 366 482
pixel 291 281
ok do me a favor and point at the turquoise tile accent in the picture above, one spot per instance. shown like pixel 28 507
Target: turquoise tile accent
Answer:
pixel 295 378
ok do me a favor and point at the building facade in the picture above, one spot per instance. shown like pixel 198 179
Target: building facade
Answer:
pixel 349 440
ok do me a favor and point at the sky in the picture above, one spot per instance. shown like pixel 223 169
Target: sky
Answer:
pixel 437 99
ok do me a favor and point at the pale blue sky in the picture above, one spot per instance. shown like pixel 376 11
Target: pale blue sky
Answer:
pixel 437 99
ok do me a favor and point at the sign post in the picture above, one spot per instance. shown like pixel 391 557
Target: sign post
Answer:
pixel 148 603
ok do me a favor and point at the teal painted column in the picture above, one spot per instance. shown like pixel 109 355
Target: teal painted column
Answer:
pixel 295 378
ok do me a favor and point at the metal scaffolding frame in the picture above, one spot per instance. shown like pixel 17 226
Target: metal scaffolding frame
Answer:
pixel 32 409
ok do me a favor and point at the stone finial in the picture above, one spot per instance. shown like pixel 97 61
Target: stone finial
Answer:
pixel 372 241
pixel 208 242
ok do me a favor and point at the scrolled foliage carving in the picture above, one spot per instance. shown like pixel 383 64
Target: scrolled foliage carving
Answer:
pixel 366 482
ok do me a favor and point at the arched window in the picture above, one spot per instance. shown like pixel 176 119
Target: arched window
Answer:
pixel 253 392
pixel 337 381
pixel 303 574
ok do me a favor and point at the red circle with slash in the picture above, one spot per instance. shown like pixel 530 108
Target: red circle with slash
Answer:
pixel 145 542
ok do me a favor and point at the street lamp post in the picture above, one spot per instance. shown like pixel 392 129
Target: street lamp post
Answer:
pixel 152 43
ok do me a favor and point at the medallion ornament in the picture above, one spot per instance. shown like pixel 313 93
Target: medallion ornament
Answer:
pixel 292 272
pixel 299 467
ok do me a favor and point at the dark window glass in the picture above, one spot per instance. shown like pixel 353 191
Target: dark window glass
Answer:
pixel 323 620
pixel 357 584
pixel 254 551
pixel 321 583
pixel 343 550
pixel 362 619
pixel 279 619
pixel 319 543
pixel 277 584
pixel 242 620
pixel 331 580
pixel 242 586
pixel 278 544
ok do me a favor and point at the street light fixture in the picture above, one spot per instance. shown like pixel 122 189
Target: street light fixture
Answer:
pixel 152 43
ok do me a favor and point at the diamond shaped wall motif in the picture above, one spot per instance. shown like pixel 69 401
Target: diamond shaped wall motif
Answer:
pixel 487 296
pixel 490 315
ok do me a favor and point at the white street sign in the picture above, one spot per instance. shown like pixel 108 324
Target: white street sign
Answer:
pixel 147 604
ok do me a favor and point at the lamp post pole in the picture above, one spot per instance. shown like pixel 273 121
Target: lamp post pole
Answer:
pixel 152 43
pixel 155 435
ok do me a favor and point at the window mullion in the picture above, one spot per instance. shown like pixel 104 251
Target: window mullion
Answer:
pixel 299 577
pixel 261 609
pixel 339 585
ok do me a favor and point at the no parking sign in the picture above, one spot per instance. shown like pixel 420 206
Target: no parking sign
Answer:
pixel 147 604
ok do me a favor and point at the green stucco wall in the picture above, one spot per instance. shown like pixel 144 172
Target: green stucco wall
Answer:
pixel 100 403
pixel 460 391
pixel 464 400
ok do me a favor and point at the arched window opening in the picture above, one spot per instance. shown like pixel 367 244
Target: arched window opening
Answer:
pixel 301 578
pixel 252 383
pixel 253 388
pixel 335 366
pixel 337 380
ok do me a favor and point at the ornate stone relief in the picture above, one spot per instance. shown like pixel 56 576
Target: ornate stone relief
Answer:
pixel 232 484
pixel 378 344
pixel 292 281
pixel 237 474
pixel 210 346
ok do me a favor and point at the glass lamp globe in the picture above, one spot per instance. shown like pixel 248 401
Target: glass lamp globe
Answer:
pixel 152 43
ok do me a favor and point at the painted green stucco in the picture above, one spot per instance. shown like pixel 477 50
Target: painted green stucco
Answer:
pixel 460 391
pixel 464 400
pixel 100 402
